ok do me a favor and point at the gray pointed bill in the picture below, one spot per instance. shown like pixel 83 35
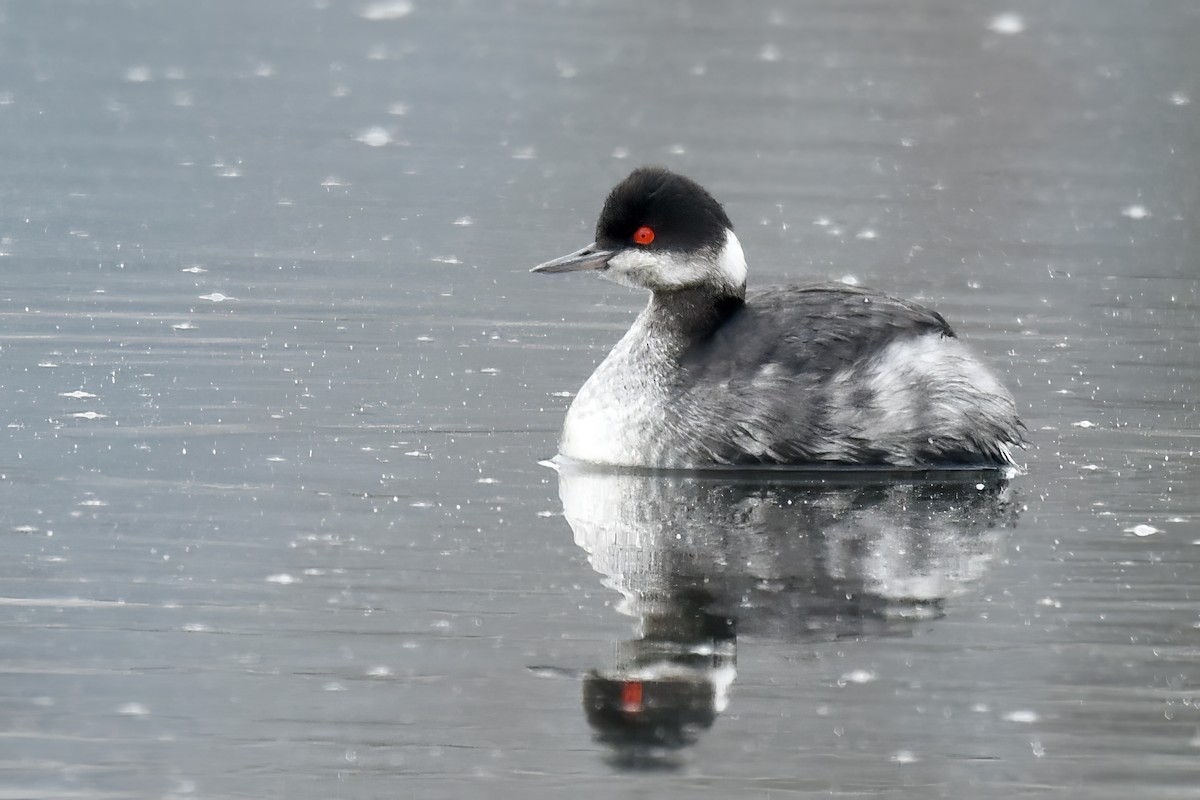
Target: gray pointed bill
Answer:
pixel 590 257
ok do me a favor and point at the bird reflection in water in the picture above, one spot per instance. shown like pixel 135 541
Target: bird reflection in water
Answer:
pixel 703 557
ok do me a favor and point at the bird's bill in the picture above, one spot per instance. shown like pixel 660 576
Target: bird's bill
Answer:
pixel 590 257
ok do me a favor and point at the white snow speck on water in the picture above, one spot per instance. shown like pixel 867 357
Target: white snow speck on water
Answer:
pixel 215 297
pixel 1135 212
pixel 88 415
pixel 464 221
pixel 195 270
pixel 904 757
pixel 866 233
pixel 281 578
pixel 133 710
pixel 379 672
pixel 849 280
pixel 138 74
pixel 1083 423
pixel 1143 530
pixel 78 394
pixel 183 326
pixel 769 53
pixel 1008 24
pixel 388 9
pixel 1178 99
pixel 856 676
pixel 1022 715
pixel 374 136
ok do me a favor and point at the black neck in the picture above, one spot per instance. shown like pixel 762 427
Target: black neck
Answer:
pixel 695 312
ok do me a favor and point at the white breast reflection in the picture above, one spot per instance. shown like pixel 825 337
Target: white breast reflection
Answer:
pixel 700 558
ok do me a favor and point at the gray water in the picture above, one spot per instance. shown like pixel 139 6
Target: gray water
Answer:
pixel 275 383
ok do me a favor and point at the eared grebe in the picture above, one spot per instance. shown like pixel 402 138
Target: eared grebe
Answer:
pixel 805 375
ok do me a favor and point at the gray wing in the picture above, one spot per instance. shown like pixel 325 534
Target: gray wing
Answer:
pixel 816 328
pixel 803 375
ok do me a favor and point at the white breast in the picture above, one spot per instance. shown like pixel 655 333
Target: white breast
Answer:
pixel 614 417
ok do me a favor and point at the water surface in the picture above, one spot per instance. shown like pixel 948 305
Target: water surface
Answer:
pixel 275 384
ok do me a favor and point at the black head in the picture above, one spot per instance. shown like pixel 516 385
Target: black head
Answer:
pixel 661 231
pixel 680 214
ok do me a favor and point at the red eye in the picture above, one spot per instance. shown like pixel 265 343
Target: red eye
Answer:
pixel 643 235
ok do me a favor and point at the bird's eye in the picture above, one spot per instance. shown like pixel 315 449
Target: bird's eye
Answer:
pixel 643 235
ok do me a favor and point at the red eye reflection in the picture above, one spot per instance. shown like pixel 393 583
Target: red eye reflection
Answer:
pixel 643 235
pixel 631 691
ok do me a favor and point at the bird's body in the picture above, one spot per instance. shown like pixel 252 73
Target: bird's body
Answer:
pixel 825 374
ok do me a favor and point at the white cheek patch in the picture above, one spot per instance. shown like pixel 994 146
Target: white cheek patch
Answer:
pixel 653 269
pixel 731 262
pixel 650 269
pixel 632 261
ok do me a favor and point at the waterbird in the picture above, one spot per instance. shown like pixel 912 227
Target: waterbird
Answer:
pixel 825 374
